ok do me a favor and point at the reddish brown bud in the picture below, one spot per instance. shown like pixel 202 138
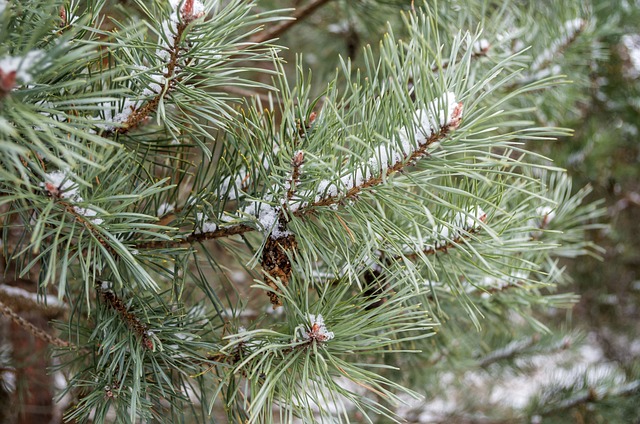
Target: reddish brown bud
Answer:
pixel 456 116
pixel 7 81
pixel 63 17
pixel 298 159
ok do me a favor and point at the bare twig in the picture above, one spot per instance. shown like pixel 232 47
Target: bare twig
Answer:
pixel 42 335
pixel 140 115
pixel 22 300
pixel 298 16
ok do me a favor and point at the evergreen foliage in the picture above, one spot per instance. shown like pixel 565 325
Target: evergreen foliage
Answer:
pixel 227 234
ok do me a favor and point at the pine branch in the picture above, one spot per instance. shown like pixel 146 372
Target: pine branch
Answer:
pixel 452 244
pixel 480 49
pixel 139 115
pixel 337 199
pixel 418 153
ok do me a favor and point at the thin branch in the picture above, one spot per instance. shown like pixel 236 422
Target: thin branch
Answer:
pixel 298 16
pixel 115 303
pixel 593 395
pixel 140 115
pixel 294 180
pixel 509 351
pixel 397 167
pixel 22 300
pixel 35 331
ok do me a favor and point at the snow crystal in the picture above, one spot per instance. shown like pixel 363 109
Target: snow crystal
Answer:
pixel 481 46
pixel 59 184
pixel 631 42
pixel 203 225
pixel 128 107
pixel 356 179
pixel 469 220
pixel 318 330
pixel 158 81
pixel 326 189
pixel 267 217
pixel 573 25
pixel 8 376
pixel 165 208
pixel 88 212
pixel 197 9
pixel 22 65
pixel 546 213
pixel 426 123
pixel 231 190
pixel 462 222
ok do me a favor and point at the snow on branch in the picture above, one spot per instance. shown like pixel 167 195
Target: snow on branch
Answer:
pixel 430 125
pixel 544 216
pixel 570 32
pixel 189 10
pixel 204 224
pixel 447 236
pixel 23 300
pixel 317 332
pixel 14 69
pixel 59 185
pixel 171 47
pixel 631 52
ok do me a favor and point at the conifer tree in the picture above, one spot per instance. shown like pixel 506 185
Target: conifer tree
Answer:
pixel 215 234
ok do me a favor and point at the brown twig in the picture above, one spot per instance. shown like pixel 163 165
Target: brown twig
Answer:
pixel 35 331
pixel 115 303
pixel 298 16
pixel 141 114
pixel 296 165
pixel 399 166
